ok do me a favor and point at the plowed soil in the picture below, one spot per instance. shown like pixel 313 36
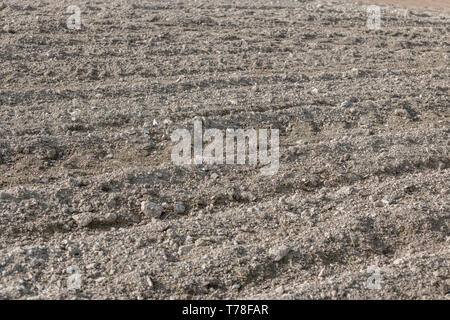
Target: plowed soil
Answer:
pixel 359 208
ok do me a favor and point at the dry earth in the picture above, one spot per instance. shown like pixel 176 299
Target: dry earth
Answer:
pixel 435 4
pixel 364 151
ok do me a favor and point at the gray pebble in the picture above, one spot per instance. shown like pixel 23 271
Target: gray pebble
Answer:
pixel 278 253
pixel 83 219
pixel 110 217
pixel 185 249
pixel 151 209
pixel 388 200
pixel 346 104
pixel 179 208
pixel 5 196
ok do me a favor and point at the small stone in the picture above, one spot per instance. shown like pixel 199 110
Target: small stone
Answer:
pixel 73 250
pixel 398 261
pixel 149 282
pixel 210 283
pixel 185 249
pixel 5 196
pixel 7 29
pixel 321 273
pixel 346 190
pixel 387 200
pixel 379 204
pixel 151 209
pixel 282 200
pixel 354 72
pixel 371 104
pixel 83 219
pixel 436 274
pixel 441 166
pixel 214 176
pixel 179 208
pixel 51 54
pixel 98 280
pixel 401 112
pixel 278 253
pixel 110 217
pixel 346 104
pixel 279 290
pixel 202 242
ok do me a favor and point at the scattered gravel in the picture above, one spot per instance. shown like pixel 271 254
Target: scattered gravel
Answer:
pixel 87 182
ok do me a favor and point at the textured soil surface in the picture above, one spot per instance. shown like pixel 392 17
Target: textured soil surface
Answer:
pixel 439 4
pixel 85 123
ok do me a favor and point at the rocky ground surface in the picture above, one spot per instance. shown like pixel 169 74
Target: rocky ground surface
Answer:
pixel 88 190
